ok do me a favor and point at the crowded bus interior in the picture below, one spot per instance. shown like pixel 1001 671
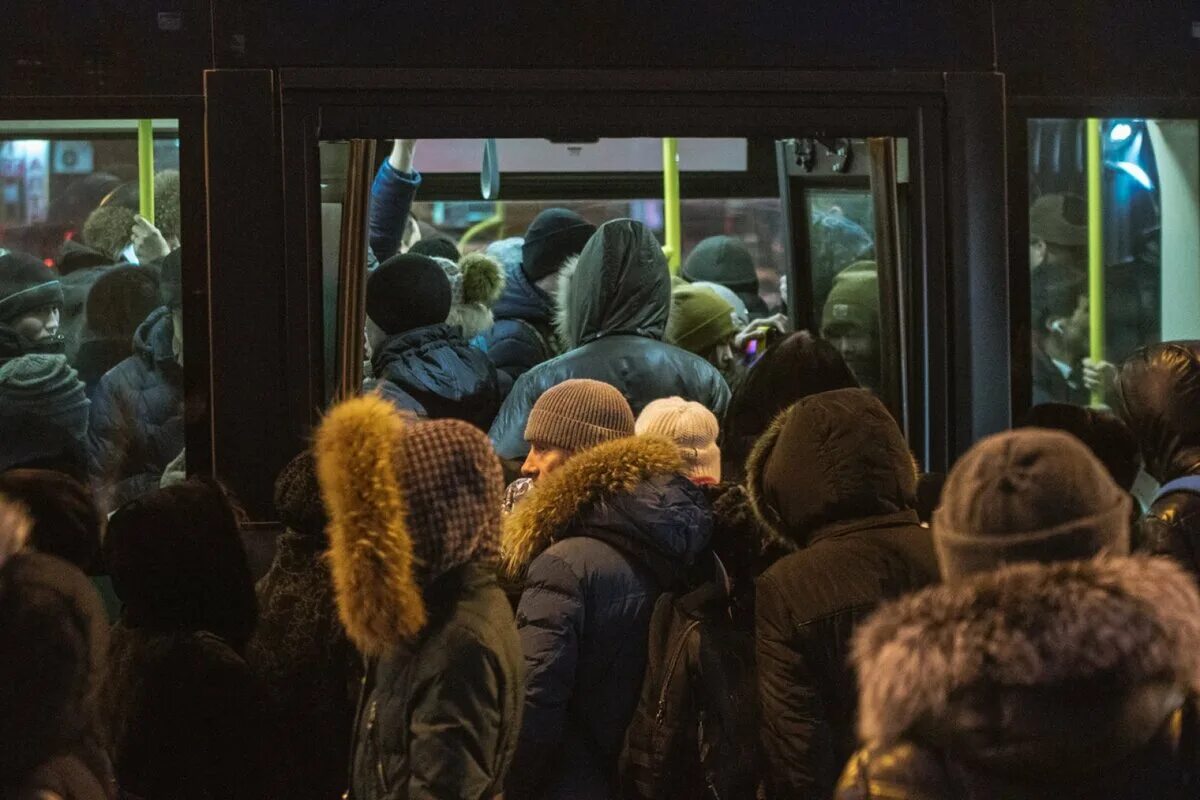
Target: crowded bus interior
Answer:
pixel 687 403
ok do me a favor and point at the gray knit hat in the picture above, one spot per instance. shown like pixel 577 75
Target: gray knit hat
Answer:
pixel 578 414
pixel 1028 495
pixel 45 385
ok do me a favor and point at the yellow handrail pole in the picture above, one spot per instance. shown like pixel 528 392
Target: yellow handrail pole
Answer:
pixel 672 232
pixel 1095 200
pixel 496 220
pixel 145 140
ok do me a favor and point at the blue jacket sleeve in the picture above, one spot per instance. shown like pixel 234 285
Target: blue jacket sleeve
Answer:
pixel 550 620
pixel 392 196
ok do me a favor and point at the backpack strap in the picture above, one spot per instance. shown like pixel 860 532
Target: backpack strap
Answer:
pixel 1188 483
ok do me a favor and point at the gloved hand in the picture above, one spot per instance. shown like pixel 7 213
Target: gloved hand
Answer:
pixel 148 241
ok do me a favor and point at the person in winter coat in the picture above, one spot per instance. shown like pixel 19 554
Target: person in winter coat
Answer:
pixel 613 308
pixel 421 363
pixel 596 541
pixel 833 476
pixel 117 303
pixel 53 641
pixel 523 335
pixel 414 509
pixel 791 370
pixel 727 261
pixel 1158 396
pixel 300 650
pixel 703 323
pixel 136 426
pixel 1050 664
pixel 186 717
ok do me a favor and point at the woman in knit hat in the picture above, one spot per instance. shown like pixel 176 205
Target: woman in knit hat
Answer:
pixel 31 301
pixel 300 650
pixel 1051 664
pixel 420 362
pixel 704 324
pixel 414 528
pixel 605 529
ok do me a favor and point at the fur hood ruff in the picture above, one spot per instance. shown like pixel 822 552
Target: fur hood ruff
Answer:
pixel 1130 621
pixel 607 469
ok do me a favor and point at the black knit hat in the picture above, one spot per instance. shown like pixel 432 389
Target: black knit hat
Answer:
pixel 439 246
pixel 66 523
pixel 26 284
pixel 724 260
pixel 46 385
pixel 298 497
pixel 555 235
pixel 408 292
pixel 1028 495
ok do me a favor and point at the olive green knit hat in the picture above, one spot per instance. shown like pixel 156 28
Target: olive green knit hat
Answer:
pixel 700 319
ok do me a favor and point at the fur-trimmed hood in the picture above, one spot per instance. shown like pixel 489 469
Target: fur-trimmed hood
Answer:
pixel 1013 670
pixel 620 284
pixel 635 480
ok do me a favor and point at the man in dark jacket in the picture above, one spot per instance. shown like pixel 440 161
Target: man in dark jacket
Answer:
pixel 422 364
pixel 612 317
pixel 414 513
pixel 1158 396
pixel 136 426
pixel 523 335
pixel 596 540
pixel 1050 665
pixel 832 475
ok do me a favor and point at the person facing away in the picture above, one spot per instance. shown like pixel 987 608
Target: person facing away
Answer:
pixel 136 427
pixel 727 261
pixel 523 335
pixel 833 477
pixel 798 366
pixel 300 650
pixel 612 316
pixel 420 362
pixel 414 529
pixel 117 303
pixel 186 717
pixel 610 523
pixel 1158 396
pixel 1050 664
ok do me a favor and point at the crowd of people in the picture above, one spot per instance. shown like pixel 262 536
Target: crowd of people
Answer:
pixel 572 541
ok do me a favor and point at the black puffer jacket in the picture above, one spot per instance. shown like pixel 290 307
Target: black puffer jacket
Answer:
pixel 834 476
pixel 1158 396
pixel 434 373
pixel 1038 681
pixel 136 426
pixel 612 315
pixel 598 541
pixel 523 335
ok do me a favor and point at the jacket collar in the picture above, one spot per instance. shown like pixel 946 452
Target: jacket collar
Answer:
pixel 605 470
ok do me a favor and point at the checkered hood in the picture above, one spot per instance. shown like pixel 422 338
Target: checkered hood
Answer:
pixel 408 501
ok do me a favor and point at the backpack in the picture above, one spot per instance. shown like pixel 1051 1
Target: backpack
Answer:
pixel 694 733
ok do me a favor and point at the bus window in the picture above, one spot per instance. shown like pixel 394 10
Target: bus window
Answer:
pixel 91 302
pixel 1142 263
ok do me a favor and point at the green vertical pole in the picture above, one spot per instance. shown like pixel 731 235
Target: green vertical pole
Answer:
pixel 672 232
pixel 145 130
pixel 1095 199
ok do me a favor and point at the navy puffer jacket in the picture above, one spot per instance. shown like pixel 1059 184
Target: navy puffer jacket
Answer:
pixel 602 537
pixel 434 373
pixel 136 425
pixel 523 335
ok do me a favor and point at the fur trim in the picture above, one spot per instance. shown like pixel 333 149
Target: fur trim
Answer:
pixel 562 306
pixel 483 279
pixel 370 550
pixel 755 465
pixel 607 469
pixel 166 203
pixel 1136 619
pixel 473 319
pixel 109 229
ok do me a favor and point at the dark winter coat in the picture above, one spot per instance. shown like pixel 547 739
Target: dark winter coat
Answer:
pixel 523 334
pixel 459 683
pixel 1159 398
pixel 1049 385
pixel 136 426
pixel 96 357
pixel 309 668
pixel 612 315
pixel 54 637
pixel 1037 681
pixel 434 373
pixel 848 506
pixel 188 720
pixel 598 541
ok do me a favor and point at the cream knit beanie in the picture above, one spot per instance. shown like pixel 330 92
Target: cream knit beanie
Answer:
pixel 692 427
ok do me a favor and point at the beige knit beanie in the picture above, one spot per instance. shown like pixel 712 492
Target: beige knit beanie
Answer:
pixel 692 427
pixel 578 414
